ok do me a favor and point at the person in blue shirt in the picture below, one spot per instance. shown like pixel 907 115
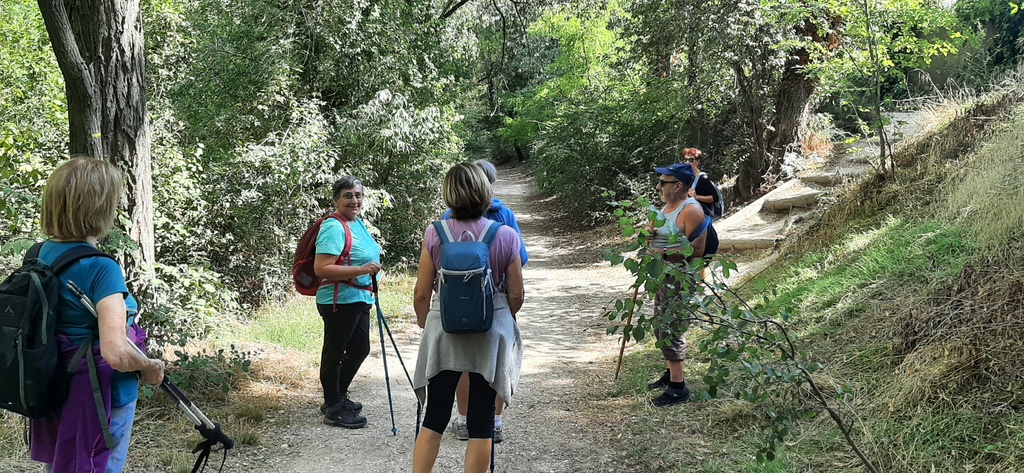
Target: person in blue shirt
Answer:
pixel 501 214
pixel 344 300
pixel 79 206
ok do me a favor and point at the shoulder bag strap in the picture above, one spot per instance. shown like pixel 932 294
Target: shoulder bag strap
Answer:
pixel 72 255
pixel 444 232
pixel 489 232
pixel 33 252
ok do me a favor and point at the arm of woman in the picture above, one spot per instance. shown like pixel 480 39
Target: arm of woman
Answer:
pixel 704 191
pixel 424 287
pixel 115 346
pixel 514 285
pixel 687 221
pixel 327 267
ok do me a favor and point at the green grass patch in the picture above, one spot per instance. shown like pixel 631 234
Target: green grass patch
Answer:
pixel 928 253
pixel 295 323
pixel 988 190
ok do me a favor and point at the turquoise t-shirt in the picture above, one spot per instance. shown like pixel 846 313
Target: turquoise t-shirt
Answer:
pixel 331 241
pixel 99 278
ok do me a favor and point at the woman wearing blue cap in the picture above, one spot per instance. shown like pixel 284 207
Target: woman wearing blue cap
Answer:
pixel 682 216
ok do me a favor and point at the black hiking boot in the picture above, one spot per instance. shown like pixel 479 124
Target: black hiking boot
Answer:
pixel 661 383
pixel 355 406
pixel 343 416
pixel 672 396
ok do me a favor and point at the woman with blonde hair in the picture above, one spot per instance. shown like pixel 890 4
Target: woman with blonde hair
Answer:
pixel 79 206
pixel 491 358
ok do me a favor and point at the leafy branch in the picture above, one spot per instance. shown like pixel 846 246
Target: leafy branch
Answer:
pixel 756 356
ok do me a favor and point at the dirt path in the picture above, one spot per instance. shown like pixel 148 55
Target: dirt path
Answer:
pixel 548 428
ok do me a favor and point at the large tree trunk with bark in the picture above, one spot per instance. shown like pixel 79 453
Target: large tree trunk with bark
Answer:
pixel 99 47
pixel 796 86
pixel 753 169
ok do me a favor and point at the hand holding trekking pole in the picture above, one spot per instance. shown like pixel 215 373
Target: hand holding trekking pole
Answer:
pixel 210 431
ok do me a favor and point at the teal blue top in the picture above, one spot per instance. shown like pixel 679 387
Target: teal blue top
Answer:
pixel 331 241
pixel 99 278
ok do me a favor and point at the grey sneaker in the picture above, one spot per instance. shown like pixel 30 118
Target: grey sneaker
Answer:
pixel 460 429
pixel 498 435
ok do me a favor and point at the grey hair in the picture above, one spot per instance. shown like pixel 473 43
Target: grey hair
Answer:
pixel 345 183
pixel 489 170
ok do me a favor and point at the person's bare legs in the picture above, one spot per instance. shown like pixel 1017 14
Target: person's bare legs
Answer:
pixel 478 455
pixel 424 454
pixel 462 395
pixel 675 371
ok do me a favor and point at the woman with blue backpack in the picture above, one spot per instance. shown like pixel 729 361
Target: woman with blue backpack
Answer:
pixel 482 340
pixel 504 215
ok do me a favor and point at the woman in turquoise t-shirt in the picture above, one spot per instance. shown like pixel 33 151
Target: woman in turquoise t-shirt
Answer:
pixel 344 300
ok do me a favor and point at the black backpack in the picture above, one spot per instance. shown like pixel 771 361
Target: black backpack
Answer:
pixel 35 383
pixel 717 209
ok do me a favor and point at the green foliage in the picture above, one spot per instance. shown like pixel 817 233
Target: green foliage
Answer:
pixel 1001 23
pixel 210 369
pixel 189 301
pixel 33 117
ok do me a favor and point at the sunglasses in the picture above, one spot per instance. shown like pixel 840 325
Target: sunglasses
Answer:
pixel 690 160
pixel 662 182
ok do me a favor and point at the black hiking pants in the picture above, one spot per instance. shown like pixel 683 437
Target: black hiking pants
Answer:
pixel 346 345
pixel 441 396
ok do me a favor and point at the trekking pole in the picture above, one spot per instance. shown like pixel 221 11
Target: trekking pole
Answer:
pixel 629 321
pixel 382 323
pixel 209 430
pixel 384 356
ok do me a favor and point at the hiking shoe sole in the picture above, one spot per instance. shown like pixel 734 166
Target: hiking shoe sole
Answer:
pixel 347 425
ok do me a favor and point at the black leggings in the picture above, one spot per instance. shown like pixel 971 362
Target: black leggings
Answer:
pixel 441 396
pixel 346 345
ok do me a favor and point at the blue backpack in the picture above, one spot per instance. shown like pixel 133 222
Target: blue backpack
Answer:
pixel 464 280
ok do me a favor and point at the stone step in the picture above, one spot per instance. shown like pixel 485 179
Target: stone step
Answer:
pixel 741 243
pixel 793 194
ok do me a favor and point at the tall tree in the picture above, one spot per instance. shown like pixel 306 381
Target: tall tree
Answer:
pixel 99 47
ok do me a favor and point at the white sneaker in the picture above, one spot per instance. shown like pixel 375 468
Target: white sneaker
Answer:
pixel 460 429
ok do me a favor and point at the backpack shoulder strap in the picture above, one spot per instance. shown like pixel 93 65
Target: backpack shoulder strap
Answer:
pixel 33 252
pixel 69 257
pixel 701 229
pixel 345 255
pixel 489 232
pixel 444 232
pixel 697 179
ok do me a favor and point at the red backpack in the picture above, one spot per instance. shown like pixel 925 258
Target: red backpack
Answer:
pixel 305 279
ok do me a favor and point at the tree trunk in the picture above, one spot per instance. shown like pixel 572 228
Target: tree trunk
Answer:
pixel 99 47
pixel 752 169
pixel 796 87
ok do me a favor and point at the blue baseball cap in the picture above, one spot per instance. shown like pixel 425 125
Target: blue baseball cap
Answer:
pixel 681 171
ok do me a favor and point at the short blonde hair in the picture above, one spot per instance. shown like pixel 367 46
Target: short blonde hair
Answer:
pixel 80 200
pixel 466 191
